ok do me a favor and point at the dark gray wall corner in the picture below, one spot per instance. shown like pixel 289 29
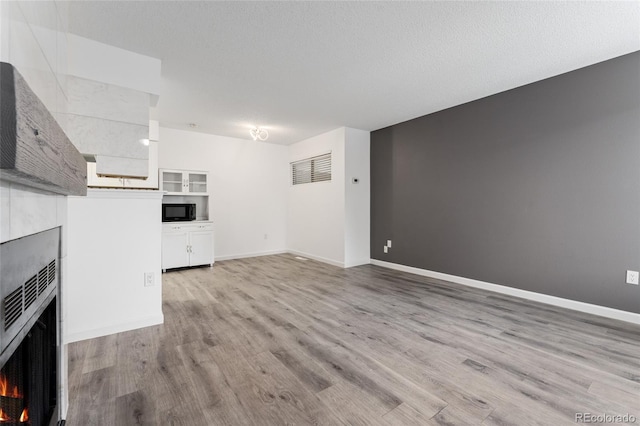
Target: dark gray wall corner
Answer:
pixel 536 188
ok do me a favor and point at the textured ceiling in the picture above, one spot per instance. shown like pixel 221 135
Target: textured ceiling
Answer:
pixel 303 68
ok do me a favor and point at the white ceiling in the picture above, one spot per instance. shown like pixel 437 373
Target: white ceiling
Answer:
pixel 303 68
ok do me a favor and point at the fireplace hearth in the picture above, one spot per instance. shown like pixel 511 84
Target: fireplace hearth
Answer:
pixel 29 341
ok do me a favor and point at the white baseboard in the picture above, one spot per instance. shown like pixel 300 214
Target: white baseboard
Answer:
pixel 331 261
pixel 297 253
pixel 318 258
pixel 357 263
pixel 589 308
pixel 245 255
pixel 113 329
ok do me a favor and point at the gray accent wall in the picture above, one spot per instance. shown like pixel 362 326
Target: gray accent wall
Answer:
pixel 536 188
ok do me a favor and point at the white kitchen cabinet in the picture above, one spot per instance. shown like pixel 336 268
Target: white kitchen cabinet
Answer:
pixel 201 248
pixel 183 182
pixel 95 181
pixel 187 244
pixel 175 250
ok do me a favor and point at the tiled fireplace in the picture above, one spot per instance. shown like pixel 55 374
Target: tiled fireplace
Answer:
pixel 32 269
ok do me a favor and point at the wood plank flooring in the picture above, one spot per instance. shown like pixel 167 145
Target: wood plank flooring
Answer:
pixel 280 341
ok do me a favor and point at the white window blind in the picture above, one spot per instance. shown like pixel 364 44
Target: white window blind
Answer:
pixel 315 169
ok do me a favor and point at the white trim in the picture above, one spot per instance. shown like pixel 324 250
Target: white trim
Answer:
pixel 245 255
pixel 318 258
pixel 112 329
pixel 589 308
pixel 310 158
pixel 138 194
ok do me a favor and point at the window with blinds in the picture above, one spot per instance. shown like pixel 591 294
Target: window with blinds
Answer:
pixel 315 169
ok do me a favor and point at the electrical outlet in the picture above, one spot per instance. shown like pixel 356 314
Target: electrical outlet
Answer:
pixel 386 249
pixel 633 277
pixel 389 243
pixel 149 279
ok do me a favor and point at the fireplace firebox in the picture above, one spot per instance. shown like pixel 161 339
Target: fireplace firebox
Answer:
pixel 28 379
pixel 29 338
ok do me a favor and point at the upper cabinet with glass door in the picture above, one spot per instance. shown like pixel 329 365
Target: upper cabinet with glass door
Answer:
pixel 197 182
pixel 183 182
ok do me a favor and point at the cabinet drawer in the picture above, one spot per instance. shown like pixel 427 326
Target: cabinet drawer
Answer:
pixel 174 227
pixel 202 227
pixel 186 227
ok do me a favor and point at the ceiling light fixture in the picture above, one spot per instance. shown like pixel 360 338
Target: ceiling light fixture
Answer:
pixel 258 133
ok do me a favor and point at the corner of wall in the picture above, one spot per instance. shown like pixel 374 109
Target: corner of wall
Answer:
pixel 337 233
pixel 357 235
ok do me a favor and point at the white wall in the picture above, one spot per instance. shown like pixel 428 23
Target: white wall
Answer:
pixel 109 92
pixel 247 188
pixel 33 39
pixel 93 60
pixel 357 230
pixel 114 237
pixel 315 220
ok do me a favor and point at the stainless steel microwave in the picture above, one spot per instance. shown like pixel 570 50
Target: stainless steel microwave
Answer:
pixel 178 212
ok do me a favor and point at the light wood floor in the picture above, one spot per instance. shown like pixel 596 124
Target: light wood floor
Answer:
pixel 275 340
